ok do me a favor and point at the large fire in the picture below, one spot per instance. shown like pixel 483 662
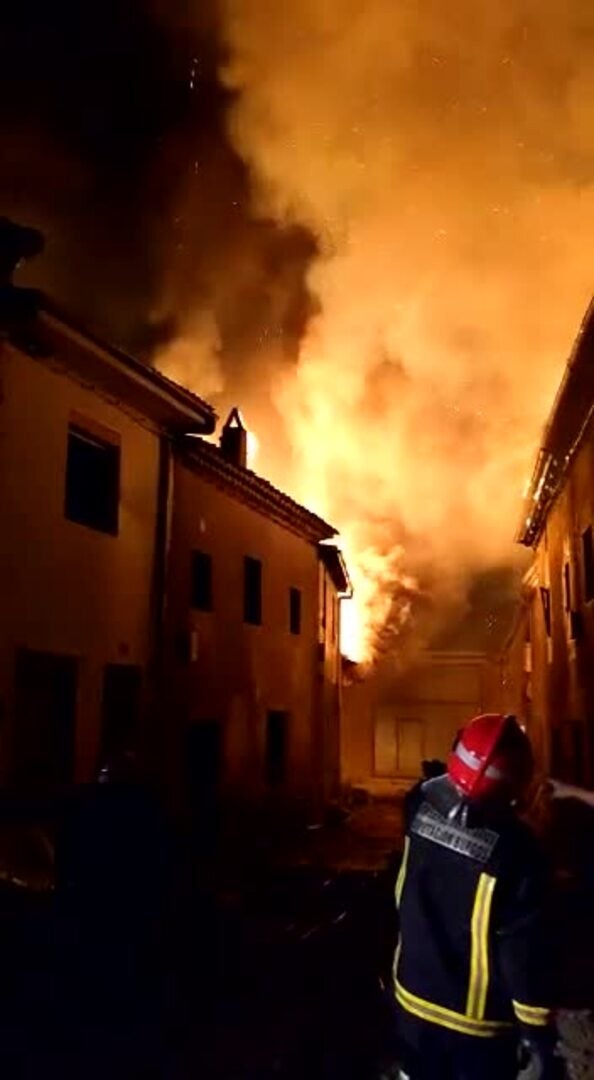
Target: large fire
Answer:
pixel 366 612
pixel 442 155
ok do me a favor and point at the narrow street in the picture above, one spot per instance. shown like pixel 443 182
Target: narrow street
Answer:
pixel 278 974
pixel 273 973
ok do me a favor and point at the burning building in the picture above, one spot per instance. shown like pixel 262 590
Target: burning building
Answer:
pixel 252 635
pixel 85 441
pixel 157 595
pixel 397 715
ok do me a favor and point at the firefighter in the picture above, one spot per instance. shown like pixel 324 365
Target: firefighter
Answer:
pixel 472 964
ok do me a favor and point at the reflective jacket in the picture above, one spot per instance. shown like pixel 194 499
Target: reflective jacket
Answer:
pixel 471 956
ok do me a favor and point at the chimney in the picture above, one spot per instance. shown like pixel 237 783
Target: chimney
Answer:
pixel 233 441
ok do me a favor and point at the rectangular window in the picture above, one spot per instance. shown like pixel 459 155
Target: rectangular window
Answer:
pixel 295 611
pixel 44 746
pixel 588 557
pixel 252 591
pixel 203 760
pixel 120 709
pixel 201 581
pixel 276 748
pixel 92 481
pixel 575 625
pixel 545 595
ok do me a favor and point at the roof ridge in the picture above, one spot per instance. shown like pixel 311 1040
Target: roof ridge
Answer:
pixel 71 323
pixel 197 447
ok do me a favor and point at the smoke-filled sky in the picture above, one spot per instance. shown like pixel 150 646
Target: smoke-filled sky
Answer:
pixel 442 155
pixel 370 223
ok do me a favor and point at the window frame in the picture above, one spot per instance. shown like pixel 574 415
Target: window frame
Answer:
pixel 108 522
pixel 201 586
pixel 252 590
pixel 276 764
pixel 295 610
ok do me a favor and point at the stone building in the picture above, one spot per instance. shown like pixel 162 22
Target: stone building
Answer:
pixel 253 625
pixel 85 446
pixel 550 657
pixel 392 723
pixel 155 593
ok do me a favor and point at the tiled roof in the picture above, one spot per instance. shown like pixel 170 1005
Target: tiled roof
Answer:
pixel 255 491
pixel 149 375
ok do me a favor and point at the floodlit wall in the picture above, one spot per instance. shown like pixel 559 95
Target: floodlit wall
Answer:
pixel 562 641
pixel 66 589
pixel 225 672
pixel 391 725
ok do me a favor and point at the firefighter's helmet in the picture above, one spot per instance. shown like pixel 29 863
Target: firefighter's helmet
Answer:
pixel 492 758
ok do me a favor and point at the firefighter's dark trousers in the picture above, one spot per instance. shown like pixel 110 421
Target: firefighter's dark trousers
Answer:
pixel 429 1052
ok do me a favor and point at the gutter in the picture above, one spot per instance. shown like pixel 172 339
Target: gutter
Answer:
pixel 571 414
pixel 140 373
pixel 164 513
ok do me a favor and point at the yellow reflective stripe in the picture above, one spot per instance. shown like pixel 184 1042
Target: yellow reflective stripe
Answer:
pixel 402 871
pixel 438 1014
pixel 479 954
pixel 532 1014
pixel 396 961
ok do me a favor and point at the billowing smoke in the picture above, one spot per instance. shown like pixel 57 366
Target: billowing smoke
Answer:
pixel 443 157
pixel 369 224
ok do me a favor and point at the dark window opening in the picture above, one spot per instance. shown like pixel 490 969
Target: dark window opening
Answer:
pixel 120 710
pixel 182 647
pixel 295 611
pixel 45 719
pixel 575 625
pixel 588 557
pixel 203 756
pixel 276 748
pixel 545 595
pixel 252 591
pixel 92 481
pixel 567 587
pixel 201 584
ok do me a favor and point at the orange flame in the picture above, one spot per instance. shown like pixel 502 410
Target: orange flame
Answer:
pixel 363 616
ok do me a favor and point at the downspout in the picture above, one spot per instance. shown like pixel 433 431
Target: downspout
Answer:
pixel 164 510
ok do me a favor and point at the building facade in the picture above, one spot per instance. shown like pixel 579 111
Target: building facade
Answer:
pixel 156 595
pixel 553 687
pixel 391 724
pixel 252 637
pixel 84 441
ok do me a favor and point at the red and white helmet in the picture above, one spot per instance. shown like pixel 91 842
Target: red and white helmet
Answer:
pixel 492 758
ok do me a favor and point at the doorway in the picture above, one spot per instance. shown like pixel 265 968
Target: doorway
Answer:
pixel 409 734
pixel 277 724
pixel 398 745
pixel 120 707
pixel 203 763
pixel 45 719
